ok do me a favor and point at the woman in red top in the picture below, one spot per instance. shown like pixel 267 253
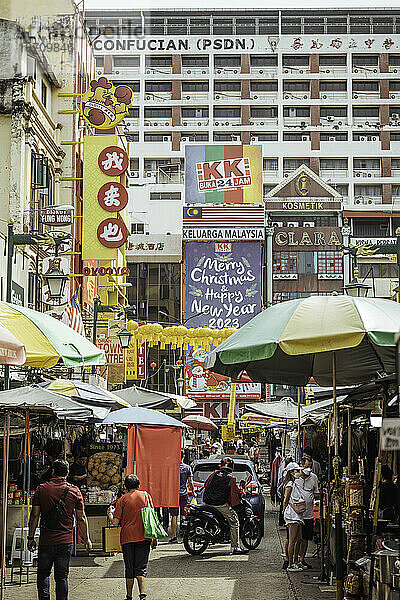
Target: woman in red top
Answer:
pixel 135 548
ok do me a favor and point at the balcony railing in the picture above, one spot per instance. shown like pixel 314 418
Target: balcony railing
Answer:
pixel 264 121
pixel 263 70
pixel 227 121
pixel 227 71
pixel 295 70
pixel 367 95
pixel 158 122
pixel 195 70
pixel 367 173
pixel 367 200
pixel 334 96
pixel 197 97
pixel 264 96
pixel 296 121
pixel 158 97
pixel 158 70
pixel 297 95
pixel 334 173
pixel 334 69
pixel 195 122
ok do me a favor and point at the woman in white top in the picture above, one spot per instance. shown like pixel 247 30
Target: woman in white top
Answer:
pixel 293 520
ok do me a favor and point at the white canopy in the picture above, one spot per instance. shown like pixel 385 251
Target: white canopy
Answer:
pixel 150 399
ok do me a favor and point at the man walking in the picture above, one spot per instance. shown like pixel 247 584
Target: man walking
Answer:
pixel 56 503
pixel 308 483
pixel 308 461
pixel 135 548
pixel 222 492
pixel 185 487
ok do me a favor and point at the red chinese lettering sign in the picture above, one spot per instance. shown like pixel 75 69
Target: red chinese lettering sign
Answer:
pixel 113 161
pixel 112 196
pixel 112 233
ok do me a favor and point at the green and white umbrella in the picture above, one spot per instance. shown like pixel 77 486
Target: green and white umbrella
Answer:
pixel 291 342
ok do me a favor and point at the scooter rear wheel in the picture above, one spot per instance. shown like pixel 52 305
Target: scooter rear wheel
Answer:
pixel 194 542
pixel 251 534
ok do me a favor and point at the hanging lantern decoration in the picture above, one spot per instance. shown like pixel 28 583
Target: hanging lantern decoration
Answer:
pixel 132 326
pixel 150 333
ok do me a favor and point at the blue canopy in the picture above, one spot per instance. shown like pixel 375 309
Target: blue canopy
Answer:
pixel 135 415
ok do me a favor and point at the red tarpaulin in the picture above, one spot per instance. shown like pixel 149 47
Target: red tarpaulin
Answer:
pixel 157 457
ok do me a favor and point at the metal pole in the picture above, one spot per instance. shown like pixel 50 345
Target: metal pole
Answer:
pixel 10 252
pixel 349 440
pixel 298 422
pixel 6 450
pixel 134 451
pixel 398 261
pixel 165 374
pixel 96 302
pixel 337 493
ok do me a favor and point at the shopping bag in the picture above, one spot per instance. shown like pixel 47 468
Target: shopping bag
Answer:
pixel 111 539
pixel 153 530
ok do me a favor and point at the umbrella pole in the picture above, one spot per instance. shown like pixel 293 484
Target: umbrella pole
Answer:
pixel 134 451
pixel 298 423
pixel 337 492
pixel 6 450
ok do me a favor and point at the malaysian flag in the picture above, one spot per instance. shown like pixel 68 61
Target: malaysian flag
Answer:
pixel 74 315
pixel 224 216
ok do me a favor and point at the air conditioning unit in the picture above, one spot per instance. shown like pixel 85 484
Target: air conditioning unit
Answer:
pixel 98 72
pixel 324 96
pixel 187 97
pixel 331 139
pixel 166 138
pixel 361 138
pixel 217 97
pixel 305 138
pixel 254 139
pixel 149 97
pixel 134 174
pixel 117 72
pixel 308 224
pixel 286 175
pixel 277 224
pixel 255 97
pixel 235 138
pixel 150 175
pixel 329 118
pixel 358 174
pixel 395 116
pixel 292 224
pixel 184 139
pixel 216 123
pixel 184 123
pixel 167 123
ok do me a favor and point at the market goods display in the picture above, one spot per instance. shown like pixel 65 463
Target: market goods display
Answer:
pixel 104 469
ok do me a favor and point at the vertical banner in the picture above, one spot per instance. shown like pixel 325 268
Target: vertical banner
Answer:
pixel 136 361
pixel 223 283
pixel 223 174
pixel 90 283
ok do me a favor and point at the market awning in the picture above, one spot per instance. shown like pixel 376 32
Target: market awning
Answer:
pixel 283 409
pixel 47 340
pixel 83 392
pixel 137 415
pixel 35 398
pixel 139 396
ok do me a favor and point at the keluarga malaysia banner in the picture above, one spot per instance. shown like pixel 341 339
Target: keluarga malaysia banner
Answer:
pixel 223 283
pixel 223 174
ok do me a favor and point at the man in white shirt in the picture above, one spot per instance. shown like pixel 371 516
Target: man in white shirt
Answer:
pixel 308 482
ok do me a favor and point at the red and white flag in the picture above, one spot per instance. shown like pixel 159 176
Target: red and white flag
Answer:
pixel 74 315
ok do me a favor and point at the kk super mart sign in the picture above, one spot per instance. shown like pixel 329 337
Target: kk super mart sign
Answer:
pixel 223 174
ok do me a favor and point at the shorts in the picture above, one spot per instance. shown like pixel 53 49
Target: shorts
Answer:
pixel 183 502
pixel 307 529
pixel 136 557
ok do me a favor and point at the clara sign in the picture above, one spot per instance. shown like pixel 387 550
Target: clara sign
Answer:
pixel 223 283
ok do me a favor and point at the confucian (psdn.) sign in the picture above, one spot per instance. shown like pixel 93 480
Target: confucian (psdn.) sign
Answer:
pixel 223 283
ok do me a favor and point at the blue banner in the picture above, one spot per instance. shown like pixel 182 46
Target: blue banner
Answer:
pixel 223 283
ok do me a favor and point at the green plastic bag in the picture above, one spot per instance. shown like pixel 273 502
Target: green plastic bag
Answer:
pixel 153 530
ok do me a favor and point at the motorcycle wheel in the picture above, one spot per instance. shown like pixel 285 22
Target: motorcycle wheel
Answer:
pixel 252 534
pixel 194 543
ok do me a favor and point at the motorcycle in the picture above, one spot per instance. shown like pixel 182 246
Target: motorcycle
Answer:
pixel 204 525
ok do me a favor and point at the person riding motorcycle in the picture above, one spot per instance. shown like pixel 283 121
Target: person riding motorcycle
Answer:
pixel 222 492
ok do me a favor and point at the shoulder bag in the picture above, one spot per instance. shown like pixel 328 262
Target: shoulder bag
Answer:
pixel 153 530
pixel 300 506
pixel 51 519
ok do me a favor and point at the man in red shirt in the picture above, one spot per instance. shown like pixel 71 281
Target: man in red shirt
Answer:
pixel 56 529
pixel 135 548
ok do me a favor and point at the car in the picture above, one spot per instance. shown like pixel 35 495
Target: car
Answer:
pixel 243 471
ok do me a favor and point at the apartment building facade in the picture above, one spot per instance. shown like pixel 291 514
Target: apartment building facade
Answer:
pixel 319 88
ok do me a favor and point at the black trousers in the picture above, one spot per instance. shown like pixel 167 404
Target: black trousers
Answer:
pixel 58 556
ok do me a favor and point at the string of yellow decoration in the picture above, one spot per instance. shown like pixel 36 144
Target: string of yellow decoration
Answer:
pixel 178 336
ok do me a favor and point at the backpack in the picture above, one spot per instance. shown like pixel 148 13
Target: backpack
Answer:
pixel 51 519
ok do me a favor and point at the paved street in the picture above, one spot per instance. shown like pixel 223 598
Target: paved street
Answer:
pixel 174 575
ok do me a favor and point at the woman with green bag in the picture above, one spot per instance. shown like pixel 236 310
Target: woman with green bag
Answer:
pixel 134 531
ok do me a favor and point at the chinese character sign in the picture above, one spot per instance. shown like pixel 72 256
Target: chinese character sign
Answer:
pixel 113 161
pixel 103 105
pixel 223 174
pixel 223 283
pixel 112 196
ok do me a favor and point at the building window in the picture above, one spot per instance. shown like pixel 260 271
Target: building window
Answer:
pixel 333 111
pixel 44 94
pixel 225 112
pixel 137 228
pixel 227 137
pixel 291 164
pixel 194 86
pixel 297 60
pixel 194 137
pixel 158 86
pixel 126 61
pixel 331 60
pixel 325 221
pixel 270 164
pixel 296 86
pixel 264 112
pixel 133 113
pixel 368 191
pixel 227 86
pixel 199 27
pixel 194 61
pixel 165 196
pixel 377 270
pixel 194 113
pixel 332 136
pixel 330 262
pixel 365 86
pixel 285 262
pixel 263 60
pixel 158 113
pixel 158 61
pixel 366 111
pixel 269 26
pixel 257 136
pixel 155 288
pixel 100 61
pixel 177 26
pixel 333 86
pixel 264 85
pixel 341 188
pixel 367 164
pixel 228 61
pixel 223 26
pixel 296 111
pixel 370 227
pixel 301 136
pixel 134 167
pixel 333 164
pixel 157 137
pixel 245 26
pixel 365 60
pixel 284 296
pixel 394 60
pixel 31 67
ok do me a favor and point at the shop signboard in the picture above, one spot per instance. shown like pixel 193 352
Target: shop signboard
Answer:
pixel 223 283
pixel 136 361
pixel 103 197
pixel 201 384
pixel 56 216
pixel 104 105
pixel 221 174
pixel 112 349
pixel 90 281
pixel 307 238
pixel 104 467
pixel 216 411
pixel 390 434
pixel 17 294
